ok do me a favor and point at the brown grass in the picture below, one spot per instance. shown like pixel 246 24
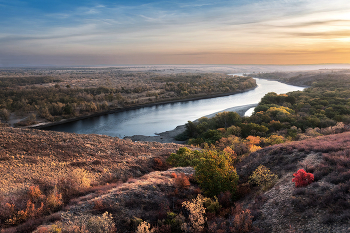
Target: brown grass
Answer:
pixel 56 167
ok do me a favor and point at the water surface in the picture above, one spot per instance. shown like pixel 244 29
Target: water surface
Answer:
pixel 151 120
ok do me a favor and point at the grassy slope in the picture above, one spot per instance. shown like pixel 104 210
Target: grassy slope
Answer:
pixel 32 156
pixel 322 206
pixel 28 156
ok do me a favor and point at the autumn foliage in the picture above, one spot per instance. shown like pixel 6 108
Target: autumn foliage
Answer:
pixel 301 178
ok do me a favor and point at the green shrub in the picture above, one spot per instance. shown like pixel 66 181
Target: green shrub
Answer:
pixel 215 173
pixel 212 205
pixel 214 170
pixel 253 129
pixel 174 221
pixel 234 130
pixel 226 119
pixel 184 157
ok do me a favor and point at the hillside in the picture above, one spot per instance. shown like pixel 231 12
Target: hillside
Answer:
pixel 323 206
pixel 30 158
pixel 129 180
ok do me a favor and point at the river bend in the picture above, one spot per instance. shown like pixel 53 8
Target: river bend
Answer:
pixel 151 120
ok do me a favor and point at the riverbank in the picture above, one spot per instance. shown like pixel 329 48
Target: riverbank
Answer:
pixel 45 125
pixel 169 136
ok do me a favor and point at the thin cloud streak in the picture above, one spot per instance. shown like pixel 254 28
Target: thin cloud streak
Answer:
pixel 221 27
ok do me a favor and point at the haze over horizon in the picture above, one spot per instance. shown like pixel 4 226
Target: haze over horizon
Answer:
pixel 104 32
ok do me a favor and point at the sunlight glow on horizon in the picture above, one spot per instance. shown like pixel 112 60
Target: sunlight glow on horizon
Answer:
pixel 157 32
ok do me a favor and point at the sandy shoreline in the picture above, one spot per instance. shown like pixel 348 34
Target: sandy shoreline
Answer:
pixel 168 136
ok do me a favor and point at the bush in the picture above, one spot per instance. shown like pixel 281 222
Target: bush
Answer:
pixel 173 222
pixel 54 200
pixel 31 212
pixel 212 136
pixel 234 130
pixel 242 221
pixel 262 176
pixel 101 224
pixel 73 183
pixel 159 164
pixel 212 206
pixel 215 173
pixel 144 227
pixel 301 178
pixel 275 139
pixel 184 157
pixel 4 114
pixel 226 119
pixel 182 181
pixel 196 215
pixel 35 194
pixel 85 223
pixel 214 170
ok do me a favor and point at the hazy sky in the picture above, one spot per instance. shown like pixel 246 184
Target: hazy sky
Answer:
pixel 103 32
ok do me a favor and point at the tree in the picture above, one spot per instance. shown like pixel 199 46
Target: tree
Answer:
pixel 215 173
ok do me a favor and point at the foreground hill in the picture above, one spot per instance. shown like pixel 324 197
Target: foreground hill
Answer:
pixel 33 158
pixel 27 156
pixel 122 183
pixel 323 206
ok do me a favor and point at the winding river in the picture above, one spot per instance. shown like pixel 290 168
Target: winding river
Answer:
pixel 151 120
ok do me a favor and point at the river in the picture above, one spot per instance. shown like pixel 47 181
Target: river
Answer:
pixel 151 120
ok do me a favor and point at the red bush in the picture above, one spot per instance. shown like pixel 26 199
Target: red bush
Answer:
pixel 160 164
pixel 301 178
pixel 182 181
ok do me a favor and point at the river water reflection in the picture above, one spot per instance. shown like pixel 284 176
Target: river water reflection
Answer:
pixel 151 120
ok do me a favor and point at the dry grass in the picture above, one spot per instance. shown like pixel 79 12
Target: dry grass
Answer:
pixel 145 198
pixel 322 206
pixel 65 166
pixel 29 157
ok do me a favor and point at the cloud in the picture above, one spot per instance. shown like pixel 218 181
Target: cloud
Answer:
pixel 164 27
pixel 316 23
pixel 325 34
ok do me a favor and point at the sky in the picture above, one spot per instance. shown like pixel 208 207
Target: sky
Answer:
pixel 103 32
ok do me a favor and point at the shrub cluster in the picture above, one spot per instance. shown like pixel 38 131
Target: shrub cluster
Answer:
pixel 302 178
pixel 39 201
pixel 214 169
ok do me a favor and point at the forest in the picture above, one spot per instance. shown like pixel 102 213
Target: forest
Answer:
pixel 51 95
pixel 318 110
